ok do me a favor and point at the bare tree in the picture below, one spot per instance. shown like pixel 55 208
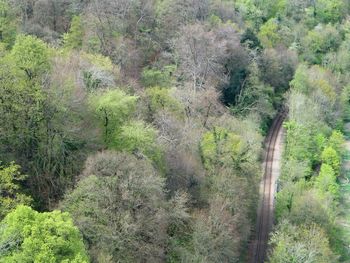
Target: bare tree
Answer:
pixel 204 54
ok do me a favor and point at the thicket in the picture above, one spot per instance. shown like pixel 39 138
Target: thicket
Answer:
pixel 143 121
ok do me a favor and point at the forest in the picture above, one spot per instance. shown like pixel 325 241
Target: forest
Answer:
pixel 133 130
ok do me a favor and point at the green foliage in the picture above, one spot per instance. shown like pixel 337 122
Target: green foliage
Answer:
pixel 29 236
pixel 74 38
pixel 255 97
pixel 336 141
pixel 249 38
pixel 340 61
pixel 41 115
pixel 286 197
pixel 161 99
pixel 268 33
pixel 119 207
pixel 8 25
pixel 331 157
pixel 251 12
pixel 319 41
pixel 299 244
pixel 326 181
pixel 112 108
pixel 138 137
pixel 298 142
pixel 329 11
pixel 300 81
pixel 11 194
pixel 158 78
pixel 221 147
pixel 99 61
pixel 31 55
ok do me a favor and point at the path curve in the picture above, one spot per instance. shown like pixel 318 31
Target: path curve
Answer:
pixel 273 153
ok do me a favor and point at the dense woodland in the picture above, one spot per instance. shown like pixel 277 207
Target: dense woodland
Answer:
pixel 132 130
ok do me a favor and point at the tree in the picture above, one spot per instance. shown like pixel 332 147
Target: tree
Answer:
pixel 29 236
pixel 31 55
pixel 119 207
pixel 44 123
pixel 336 141
pixel 215 235
pixel 74 38
pixel 331 157
pixel 326 181
pixel 173 15
pixel 329 11
pixel 112 108
pixel 222 148
pixel 300 244
pixel 21 96
pixel 278 67
pixel 209 57
pixel 268 33
pixel 158 78
pixel 162 99
pixel 11 194
pixel 8 23
pixel 318 42
pixel 311 206
pixel 139 138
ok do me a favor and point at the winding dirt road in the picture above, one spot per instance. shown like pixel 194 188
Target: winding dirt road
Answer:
pixel 258 246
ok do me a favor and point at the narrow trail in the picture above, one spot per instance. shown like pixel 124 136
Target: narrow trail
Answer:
pixel 273 144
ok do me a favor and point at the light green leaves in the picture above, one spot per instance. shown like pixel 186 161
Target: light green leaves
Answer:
pixel 112 108
pixel 10 189
pixel 28 236
pixel 221 148
pixel 31 55
pixel 74 38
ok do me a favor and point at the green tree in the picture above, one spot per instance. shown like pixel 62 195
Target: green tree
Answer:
pixel 140 138
pixel 41 117
pixel 300 244
pixel 336 141
pixel 31 55
pixel 112 108
pixel 311 206
pixel 161 99
pixel 328 11
pixel 331 157
pixel 8 25
pixel 319 41
pixel 29 236
pixel 74 38
pixel 11 194
pixel 326 181
pixel 268 33
pixel 21 98
pixel 221 147
pixel 155 77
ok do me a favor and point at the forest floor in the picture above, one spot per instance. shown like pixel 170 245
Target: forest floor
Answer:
pixel 343 220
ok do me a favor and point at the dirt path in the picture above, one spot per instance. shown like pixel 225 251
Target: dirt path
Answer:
pixel 258 246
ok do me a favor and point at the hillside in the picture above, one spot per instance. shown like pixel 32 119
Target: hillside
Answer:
pixel 136 130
